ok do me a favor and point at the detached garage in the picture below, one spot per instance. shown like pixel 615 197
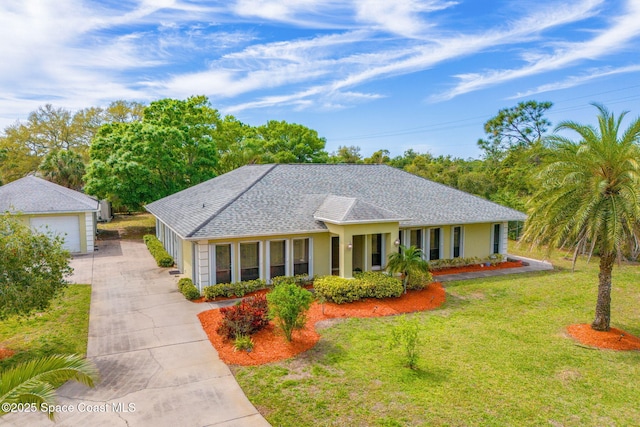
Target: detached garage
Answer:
pixel 54 209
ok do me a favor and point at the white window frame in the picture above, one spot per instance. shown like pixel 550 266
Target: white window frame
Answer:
pixel 427 247
pixel 267 258
pixel 290 264
pixel 461 240
pixel 261 260
pixel 212 261
pixel 382 251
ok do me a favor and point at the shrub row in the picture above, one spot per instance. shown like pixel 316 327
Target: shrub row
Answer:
pixel 418 281
pixel 365 285
pixel 163 259
pixel 188 289
pixel 237 289
pixel 463 262
pixel 245 318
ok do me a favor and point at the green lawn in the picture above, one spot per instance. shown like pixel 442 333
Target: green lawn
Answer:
pixel 127 226
pixel 62 329
pixel 495 354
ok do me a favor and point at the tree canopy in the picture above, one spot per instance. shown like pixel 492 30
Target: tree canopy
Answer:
pixel 33 268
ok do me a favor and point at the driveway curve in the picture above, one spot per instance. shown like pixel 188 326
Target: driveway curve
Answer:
pixel 157 365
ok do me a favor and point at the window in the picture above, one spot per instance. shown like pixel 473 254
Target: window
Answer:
pixel 434 243
pixel 249 261
pixel 223 264
pixel 401 240
pixel 301 256
pixel 335 255
pixel 277 258
pixel 415 238
pixel 457 242
pixel 376 251
pixel 496 238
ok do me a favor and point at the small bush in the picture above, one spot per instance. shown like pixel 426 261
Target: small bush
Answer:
pixel 379 285
pixel 419 280
pixel 237 289
pixel 406 335
pixel 184 281
pixel 245 318
pixel 243 342
pixel 190 291
pixel 162 257
pixel 288 304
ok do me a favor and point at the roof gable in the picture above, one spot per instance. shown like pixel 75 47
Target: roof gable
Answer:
pixel 350 210
pixel 36 195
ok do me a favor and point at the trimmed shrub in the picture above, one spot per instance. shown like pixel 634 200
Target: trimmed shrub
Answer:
pixel 379 285
pixel 245 318
pixel 419 280
pixel 288 305
pixel 162 257
pixel 184 281
pixel 365 285
pixel 190 291
pixel 237 289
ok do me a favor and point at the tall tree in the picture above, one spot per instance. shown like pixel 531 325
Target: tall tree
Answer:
pixel 64 167
pixel 589 197
pixel 172 148
pixel 346 154
pixel 380 157
pixel 515 127
pixel 284 142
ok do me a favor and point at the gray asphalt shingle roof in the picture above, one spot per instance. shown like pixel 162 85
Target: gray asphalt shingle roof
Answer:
pixel 259 200
pixel 36 195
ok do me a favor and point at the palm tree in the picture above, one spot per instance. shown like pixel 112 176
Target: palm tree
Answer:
pixel 407 261
pixel 34 382
pixel 64 167
pixel 588 197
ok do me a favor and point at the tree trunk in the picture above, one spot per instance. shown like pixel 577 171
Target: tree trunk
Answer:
pixel 603 306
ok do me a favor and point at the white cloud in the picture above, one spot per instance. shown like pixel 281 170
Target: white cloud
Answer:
pixel 573 81
pixel 613 39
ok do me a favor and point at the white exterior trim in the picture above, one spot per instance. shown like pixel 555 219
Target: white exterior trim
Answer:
pixel 461 240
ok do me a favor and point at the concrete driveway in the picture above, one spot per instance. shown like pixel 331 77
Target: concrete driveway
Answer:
pixel 157 365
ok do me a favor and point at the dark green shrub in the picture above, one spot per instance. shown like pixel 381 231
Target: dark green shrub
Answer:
pixel 162 257
pixel 237 289
pixel 245 318
pixel 288 305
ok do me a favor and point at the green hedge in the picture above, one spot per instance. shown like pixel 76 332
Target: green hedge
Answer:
pixel 237 289
pixel 463 262
pixel 419 281
pixel 365 285
pixel 188 289
pixel 163 259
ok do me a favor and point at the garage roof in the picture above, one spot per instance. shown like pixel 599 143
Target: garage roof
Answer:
pixel 35 195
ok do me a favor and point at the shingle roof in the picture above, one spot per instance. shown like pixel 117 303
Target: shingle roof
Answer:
pixel 35 195
pixel 288 198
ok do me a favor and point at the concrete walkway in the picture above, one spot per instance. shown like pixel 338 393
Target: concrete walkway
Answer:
pixel 532 265
pixel 157 365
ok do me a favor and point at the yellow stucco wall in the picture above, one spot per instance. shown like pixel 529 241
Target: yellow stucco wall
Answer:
pixel 187 259
pixel 477 240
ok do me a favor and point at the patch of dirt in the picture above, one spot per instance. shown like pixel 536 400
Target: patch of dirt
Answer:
pixel 5 353
pixel 271 346
pixel 613 339
pixel 108 234
pixel 476 267
pixel 568 375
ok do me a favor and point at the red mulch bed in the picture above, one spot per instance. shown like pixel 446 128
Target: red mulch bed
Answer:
pixel 5 353
pixel 613 339
pixel 476 267
pixel 271 346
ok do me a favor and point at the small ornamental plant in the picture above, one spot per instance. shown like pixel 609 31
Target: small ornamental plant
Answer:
pixel 245 318
pixel 288 305
pixel 406 335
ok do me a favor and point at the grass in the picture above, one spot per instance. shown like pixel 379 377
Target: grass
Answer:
pixel 127 226
pixel 62 329
pixel 495 354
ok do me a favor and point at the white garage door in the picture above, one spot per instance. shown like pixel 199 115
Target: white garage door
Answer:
pixel 65 226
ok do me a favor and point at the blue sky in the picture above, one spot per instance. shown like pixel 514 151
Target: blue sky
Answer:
pixel 373 73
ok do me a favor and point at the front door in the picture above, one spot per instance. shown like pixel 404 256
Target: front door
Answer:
pixel 335 255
